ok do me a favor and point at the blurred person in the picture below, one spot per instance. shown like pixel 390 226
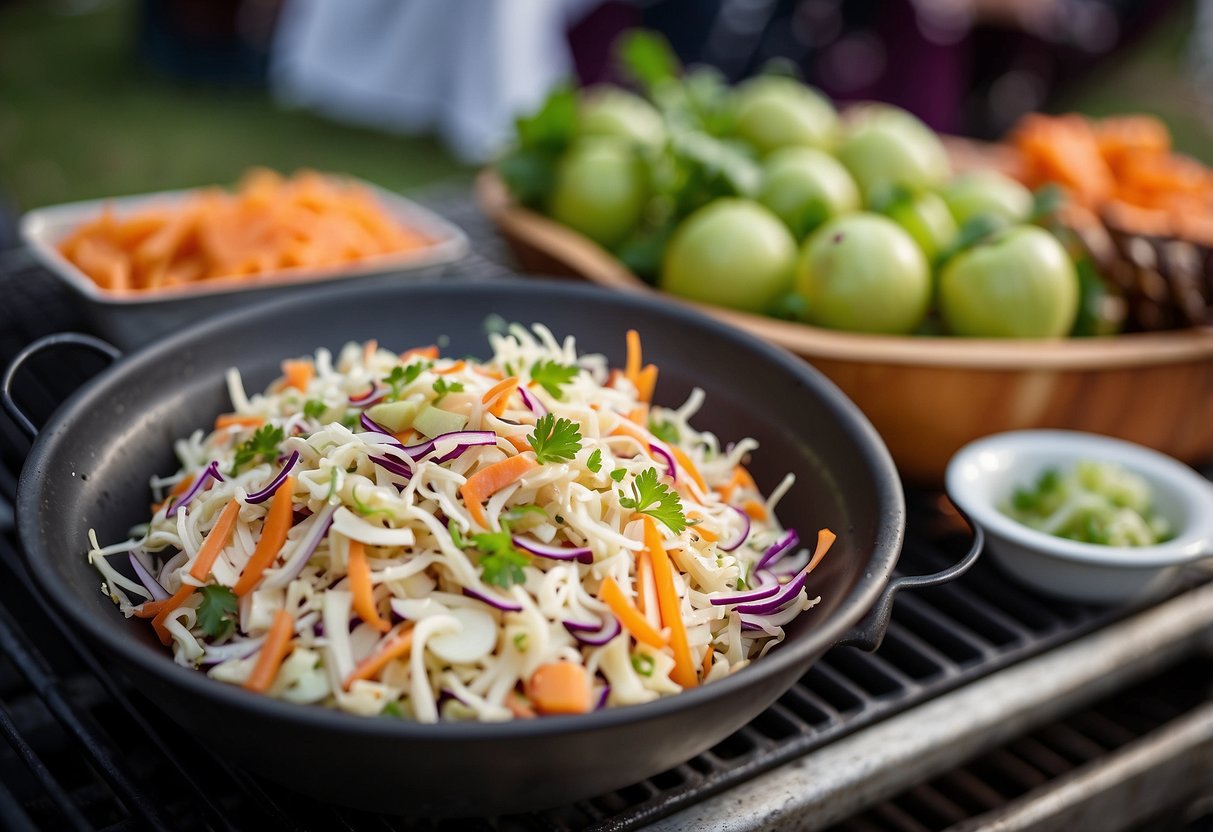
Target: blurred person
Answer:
pixel 461 70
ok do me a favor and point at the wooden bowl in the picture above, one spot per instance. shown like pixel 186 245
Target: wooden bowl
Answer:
pixel 928 396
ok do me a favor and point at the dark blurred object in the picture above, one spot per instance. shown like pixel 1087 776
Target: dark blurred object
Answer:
pixel 8 221
pixel 220 42
pixel 964 66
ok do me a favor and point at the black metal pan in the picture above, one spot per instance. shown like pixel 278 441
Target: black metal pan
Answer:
pixel 91 462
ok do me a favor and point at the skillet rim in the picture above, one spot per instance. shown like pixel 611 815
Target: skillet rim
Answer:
pixel 889 499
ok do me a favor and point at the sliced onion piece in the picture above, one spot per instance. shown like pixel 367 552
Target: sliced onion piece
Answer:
pixel 303 552
pixel 786 593
pixel 778 549
pixel 267 492
pixel 581 554
pixel 392 466
pixel 746 596
pixel 581 626
pixel 152 585
pixel 456 443
pixel 369 397
pixel 668 458
pixel 602 635
pixel 211 472
pixel 602 697
pixel 733 545
pixel 778 619
pixel 533 404
pixel 231 650
pixel 492 601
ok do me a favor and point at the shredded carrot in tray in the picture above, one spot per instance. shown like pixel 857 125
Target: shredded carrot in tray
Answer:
pixel 269 224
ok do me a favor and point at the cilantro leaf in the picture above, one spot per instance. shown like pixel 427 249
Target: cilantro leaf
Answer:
pixel 392 711
pixel 552 376
pixel 443 387
pixel 315 409
pixel 555 440
pixel 456 536
pixel 401 377
pixel 656 500
pixel 501 563
pixel 217 612
pixel 594 463
pixel 618 474
pixel 664 430
pixel 262 446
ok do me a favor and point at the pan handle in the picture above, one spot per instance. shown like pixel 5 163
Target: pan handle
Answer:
pixel 869 632
pixel 61 339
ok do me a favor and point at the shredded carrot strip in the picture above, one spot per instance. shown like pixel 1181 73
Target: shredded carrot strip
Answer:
pixel 741 479
pixel 671 614
pixel 298 374
pixel 646 383
pixel 755 509
pixel 518 706
pixel 707 660
pixel 632 367
pixel 825 539
pixel 369 349
pixel 405 437
pixel 454 368
pixel 499 395
pixel 430 352
pixel 626 427
pixel 273 535
pixel 638 414
pixel 170 605
pixel 689 467
pixel 359 572
pixel 274 650
pixel 560 688
pixel 519 443
pixel 216 539
pixel 227 420
pixel 395 646
pixel 489 480
pixel 630 617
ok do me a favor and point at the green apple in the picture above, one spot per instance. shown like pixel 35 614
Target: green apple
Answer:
pixel 884 145
pixel 863 272
pixel 610 111
pixel 600 189
pixel 805 187
pixel 987 193
pixel 1020 283
pixel 731 252
pixel 926 218
pixel 773 112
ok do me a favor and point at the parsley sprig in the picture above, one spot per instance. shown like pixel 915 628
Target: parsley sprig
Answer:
pixel 552 376
pixel 594 463
pixel 555 440
pixel 217 612
pixel 501 561
pixel 401 377
pixel 664 430
pixel 315 409
pixel 443 387
pixel 262 446
pixel 656 500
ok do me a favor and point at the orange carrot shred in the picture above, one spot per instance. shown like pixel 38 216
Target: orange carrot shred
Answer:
pixel 298 374
pixel 359 572
pixel 689 467
pixel 707 661
pixel 273 535
pixel 755 509
pixel 394 646
pixel 273 651
pixel 166 608
pixel 825 539
pixel 499 394
pixel 227 420
pixel 454 368
pixel 632 367
pixel 216 539
pixel 177 490
pixel 671 614
pixel 560 688
pixel 430 352
pixel 630 617
pixel 489 480
pixel 646 383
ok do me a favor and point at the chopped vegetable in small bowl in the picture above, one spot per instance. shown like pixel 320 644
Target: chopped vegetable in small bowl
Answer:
pixel 1084 517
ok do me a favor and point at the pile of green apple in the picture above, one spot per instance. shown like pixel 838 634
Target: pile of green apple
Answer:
pixel 762 198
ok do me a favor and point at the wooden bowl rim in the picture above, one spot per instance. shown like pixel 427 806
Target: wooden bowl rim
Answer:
pixel 593 263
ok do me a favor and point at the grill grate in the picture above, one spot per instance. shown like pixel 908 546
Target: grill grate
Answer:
pixel 965 798
pixel 85 750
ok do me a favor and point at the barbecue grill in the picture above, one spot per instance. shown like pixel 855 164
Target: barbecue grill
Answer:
pixel 985 708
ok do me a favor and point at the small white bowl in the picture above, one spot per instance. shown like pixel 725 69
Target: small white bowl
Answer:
pixel 984 474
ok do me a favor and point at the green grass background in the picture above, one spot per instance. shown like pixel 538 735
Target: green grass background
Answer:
pixel 80 117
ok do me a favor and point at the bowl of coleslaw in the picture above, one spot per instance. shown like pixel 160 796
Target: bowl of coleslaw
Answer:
pixel 461 565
